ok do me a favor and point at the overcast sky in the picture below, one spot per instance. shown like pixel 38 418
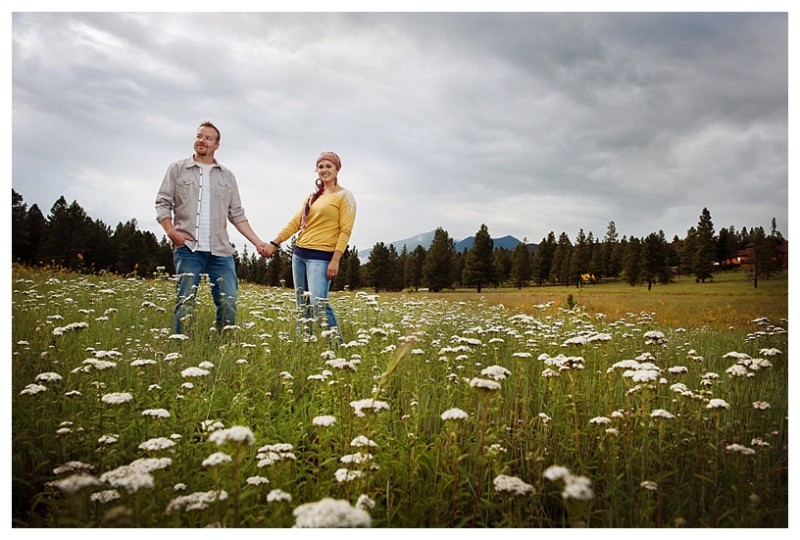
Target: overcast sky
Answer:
pixel 525 122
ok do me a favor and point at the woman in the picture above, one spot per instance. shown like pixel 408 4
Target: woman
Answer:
pixel 323 226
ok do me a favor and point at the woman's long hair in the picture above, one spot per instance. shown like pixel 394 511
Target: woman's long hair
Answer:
pixel 310 200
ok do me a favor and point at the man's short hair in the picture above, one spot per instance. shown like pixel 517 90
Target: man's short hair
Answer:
pixel 212 126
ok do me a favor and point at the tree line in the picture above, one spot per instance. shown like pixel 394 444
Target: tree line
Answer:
pixel 68 238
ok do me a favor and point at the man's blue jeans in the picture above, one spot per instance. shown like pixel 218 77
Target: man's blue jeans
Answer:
pixel 311 285
pixel 189 265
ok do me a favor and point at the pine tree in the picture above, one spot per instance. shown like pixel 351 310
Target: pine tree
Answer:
pixel 439 261
pixel 560 269
pixel 502 266
pixel 596 263
pixel 609 264
pixel 631 262
pixel 686 250
pixel 379 267
pixel 521 266
pixel 353 270
pixel 413 269
pixel 653 259
pixel 244 265
pixel 542 262
pixel 579 261
pixel 479 263
pixel 725 246
pixel 274 272
pixel 20 231
pixel 705 248
pixel 394 270
pixel 68 234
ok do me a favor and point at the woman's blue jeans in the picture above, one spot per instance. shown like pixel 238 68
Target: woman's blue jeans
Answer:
pixel 189 265
pixel 311 285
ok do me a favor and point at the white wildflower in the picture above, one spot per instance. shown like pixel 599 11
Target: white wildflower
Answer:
pixel 257 480
pixel 117 398
pixel 741 449
pixel 73 467
pixel 361 440
pixel 718 404
pixel 368 404
pixel 346 475
pixel 661 413
pixel 211 425
pixel 365 503
pixel 641 375
pixel 555 472
pixel 324 421
pixel 99 365
pixel 129 478
pixel 330 513
pixel 454 414
pixel 32 389
pixel 74 483
pixel 108 439
pixel 200 500
pixel 156 413
pixel 194 372
pixel 356 458
pixel 48 377
pixel 217 458
pixel 105 496
pixel 512 484
pixel 156 444
pixel 497 373
pixel 139 362
pixel 654 337
pixel 277 495
pixel 677 370
pixel 736 371
pixel 578 488
pixel 235 434
pixel 484 384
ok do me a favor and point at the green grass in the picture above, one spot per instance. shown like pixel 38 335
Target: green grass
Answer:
pixel 563 404
pixel 728 300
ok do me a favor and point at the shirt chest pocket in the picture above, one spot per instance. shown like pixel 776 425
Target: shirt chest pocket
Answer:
pixel 184 189
pixel 223 188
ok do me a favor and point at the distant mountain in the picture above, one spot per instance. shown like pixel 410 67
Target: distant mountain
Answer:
pixel 507 242
pixel 425 240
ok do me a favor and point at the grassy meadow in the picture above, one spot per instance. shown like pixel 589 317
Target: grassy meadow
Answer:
pixel 612 407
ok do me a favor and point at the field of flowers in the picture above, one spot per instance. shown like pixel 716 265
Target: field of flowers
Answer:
pixel 432 413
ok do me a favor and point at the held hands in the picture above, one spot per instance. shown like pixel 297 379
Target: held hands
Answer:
pixel 266 249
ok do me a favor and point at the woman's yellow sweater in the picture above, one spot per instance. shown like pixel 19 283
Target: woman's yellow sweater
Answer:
pixel 329 224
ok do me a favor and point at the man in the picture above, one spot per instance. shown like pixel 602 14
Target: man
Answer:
pixel 196 198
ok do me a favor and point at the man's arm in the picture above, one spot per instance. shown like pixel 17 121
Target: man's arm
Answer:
pixel 248 232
